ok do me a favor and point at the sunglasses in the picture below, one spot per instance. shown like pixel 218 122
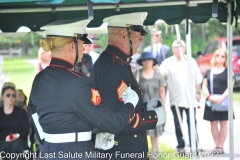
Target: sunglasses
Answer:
pixel 148 59
pixel 9 95
pixel 136 28
pixel 222 56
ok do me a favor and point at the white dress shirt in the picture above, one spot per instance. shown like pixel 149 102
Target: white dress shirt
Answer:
pixel 176 73
pixel 94 56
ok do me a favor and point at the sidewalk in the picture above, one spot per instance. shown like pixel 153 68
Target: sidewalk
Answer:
pixel 204 132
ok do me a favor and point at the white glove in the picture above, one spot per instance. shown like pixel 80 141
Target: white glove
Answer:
pixel 130 96
pixel 154 103
pixel 104 141
pixel 161 114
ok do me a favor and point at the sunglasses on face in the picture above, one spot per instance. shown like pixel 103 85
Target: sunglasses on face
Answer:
pixel 9 95
pixel 148 59
pixel 222 56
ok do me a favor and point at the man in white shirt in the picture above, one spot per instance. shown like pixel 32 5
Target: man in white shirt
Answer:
pixel 175 70
pixel 159 50
pixel 89 50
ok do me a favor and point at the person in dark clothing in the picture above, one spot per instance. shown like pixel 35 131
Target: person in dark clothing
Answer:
pixel 112 73
pixel 220 86
pixel 85 66
pixel 65 105
pixel 14 124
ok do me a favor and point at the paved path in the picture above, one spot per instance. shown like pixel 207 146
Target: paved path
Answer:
pixel 205 137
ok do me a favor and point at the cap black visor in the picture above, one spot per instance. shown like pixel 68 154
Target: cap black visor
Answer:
pixel 138 28
pixel 82 37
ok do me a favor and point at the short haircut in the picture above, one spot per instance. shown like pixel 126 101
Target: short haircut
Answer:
pixel 176 42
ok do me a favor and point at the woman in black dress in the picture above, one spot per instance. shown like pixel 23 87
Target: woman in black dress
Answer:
pixel 219 71
pixel 14 124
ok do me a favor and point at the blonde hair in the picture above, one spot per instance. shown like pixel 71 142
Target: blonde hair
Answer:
pixel 54 43
pixel 213 60
pixel 40 52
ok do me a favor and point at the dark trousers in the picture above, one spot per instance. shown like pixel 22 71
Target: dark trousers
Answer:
pixel 179 136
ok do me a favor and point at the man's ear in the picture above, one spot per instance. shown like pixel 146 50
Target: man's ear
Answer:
pixel 71 47
pixel 122 35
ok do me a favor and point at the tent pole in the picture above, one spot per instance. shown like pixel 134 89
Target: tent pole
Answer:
pixel 230 87
pixel 190 97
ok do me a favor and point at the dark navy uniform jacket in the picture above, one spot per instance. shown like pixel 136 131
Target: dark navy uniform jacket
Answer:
pixel 111 74
pixel 67 102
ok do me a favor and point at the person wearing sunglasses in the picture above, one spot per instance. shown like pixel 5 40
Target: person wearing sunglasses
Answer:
pixel 65 106
pixel 112 74
pixel 159 50
pixel 219 73
pixel 14 124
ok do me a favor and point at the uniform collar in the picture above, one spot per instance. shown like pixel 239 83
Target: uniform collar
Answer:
pixel 61 62
pixel 119 53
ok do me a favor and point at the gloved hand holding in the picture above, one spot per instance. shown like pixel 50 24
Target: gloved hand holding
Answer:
pixel 161 114
pixel 154 103
pixel 104 141
pixel 130 96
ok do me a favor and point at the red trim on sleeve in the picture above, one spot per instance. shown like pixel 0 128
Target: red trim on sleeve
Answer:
pixel 148 121
pixel 137 121
pixel 129 119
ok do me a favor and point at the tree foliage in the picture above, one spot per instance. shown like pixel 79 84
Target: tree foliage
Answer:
pixel 201 34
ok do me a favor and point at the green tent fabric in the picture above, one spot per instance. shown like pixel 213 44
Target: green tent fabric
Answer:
pixel 36 14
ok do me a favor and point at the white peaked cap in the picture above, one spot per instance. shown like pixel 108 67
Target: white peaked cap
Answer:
pixel 66 27
pixel 122 20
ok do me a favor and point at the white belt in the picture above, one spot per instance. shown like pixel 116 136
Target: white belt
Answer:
pixel 68 137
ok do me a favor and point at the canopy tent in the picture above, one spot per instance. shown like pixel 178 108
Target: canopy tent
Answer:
pixel 36 13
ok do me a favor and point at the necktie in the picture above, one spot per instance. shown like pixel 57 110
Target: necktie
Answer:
pixel 157 52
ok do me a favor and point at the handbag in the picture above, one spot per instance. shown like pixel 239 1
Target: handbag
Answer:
pixel 223 106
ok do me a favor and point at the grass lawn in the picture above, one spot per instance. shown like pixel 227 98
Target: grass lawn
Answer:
pixel 20 72
pixel 236 96
pixel 166 152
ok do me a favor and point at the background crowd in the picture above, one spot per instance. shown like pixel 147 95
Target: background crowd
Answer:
pixel 159 70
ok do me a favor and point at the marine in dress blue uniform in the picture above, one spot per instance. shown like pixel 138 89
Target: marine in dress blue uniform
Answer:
pixel 111 74
pixel 67 105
